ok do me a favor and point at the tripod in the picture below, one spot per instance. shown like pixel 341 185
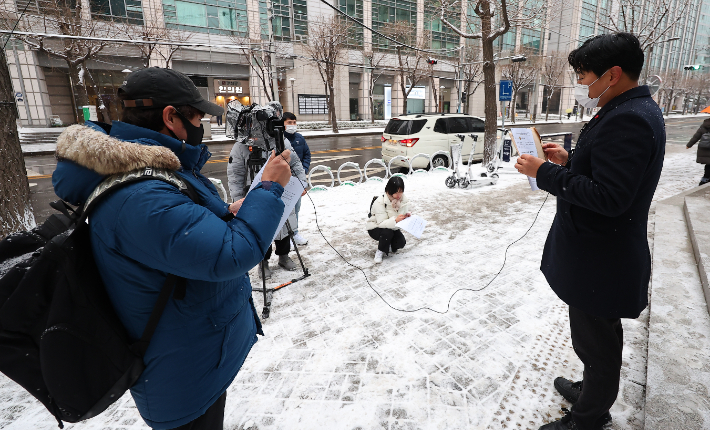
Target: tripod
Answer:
pixel 254 165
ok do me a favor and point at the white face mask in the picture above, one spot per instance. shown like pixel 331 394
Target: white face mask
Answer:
pixel 581 94
pixel 291 129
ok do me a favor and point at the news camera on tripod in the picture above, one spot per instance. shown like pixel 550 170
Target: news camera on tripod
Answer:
pixel 257 129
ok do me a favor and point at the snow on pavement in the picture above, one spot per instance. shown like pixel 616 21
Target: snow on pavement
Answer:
pixel 336 356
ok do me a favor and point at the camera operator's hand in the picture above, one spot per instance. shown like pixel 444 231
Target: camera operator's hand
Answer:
pixel 277 168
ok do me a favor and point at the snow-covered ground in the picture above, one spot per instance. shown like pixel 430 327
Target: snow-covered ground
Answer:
pixel 337 356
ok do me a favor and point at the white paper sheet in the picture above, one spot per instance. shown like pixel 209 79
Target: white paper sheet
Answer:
pixel 525 141
pixel 413 225
pixel 292 192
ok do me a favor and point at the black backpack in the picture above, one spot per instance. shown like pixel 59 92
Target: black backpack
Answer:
pixel 369 214
pixel 60 338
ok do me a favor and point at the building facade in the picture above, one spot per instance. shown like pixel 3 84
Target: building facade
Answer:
pixel 217 35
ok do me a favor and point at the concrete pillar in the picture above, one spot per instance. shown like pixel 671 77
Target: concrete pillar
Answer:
pixel 364 96
pixel 28 80
pixel 397 97
pixel 431 102
pixel 367 20
pixel 420 19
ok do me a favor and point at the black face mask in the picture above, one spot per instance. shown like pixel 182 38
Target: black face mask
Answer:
pixel 194 134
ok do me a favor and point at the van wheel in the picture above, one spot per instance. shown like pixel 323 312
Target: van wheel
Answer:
pixel 439 161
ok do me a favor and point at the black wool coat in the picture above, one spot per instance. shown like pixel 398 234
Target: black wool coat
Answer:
pixel 703 154
pixel 596 256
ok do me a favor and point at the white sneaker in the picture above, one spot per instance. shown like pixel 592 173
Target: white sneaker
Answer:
pixel 300 240
pixel 378 256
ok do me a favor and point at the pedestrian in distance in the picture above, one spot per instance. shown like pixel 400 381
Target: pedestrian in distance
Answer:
pixel 240 181
pixel 219 120
pixel 702 138
pixel 146 230
pixel 300 147
pixel 596 257
pixel 385 212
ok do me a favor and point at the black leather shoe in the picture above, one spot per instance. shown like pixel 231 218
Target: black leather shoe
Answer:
pixel 569 390
pixel 564 423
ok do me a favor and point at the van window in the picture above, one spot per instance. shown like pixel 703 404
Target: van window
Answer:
pixel 404 127
pixel 440 126
pixel 457 125
pixel 475 125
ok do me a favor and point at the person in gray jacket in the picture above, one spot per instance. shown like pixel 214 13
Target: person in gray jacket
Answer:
pixel 703 156
pixel 239 182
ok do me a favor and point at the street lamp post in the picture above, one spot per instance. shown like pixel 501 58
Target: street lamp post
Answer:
pixel 293 97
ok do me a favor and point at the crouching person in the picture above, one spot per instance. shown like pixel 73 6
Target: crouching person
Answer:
pixel 386 211
pixel 146 230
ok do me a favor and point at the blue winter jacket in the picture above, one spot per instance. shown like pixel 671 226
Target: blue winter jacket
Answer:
pixel 301 147
pixel 145 231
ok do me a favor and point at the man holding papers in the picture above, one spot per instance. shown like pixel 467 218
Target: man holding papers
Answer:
pixel 596 257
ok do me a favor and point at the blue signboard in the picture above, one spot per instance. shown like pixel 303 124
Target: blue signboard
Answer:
pixel 505 94
pixel 507 149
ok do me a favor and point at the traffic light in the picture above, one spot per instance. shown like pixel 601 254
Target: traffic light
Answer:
pixel 463 96
pixel 518 58
pixel 692 67
pixel 431 61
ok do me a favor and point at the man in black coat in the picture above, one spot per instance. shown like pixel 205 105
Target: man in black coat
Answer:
pixel 596 257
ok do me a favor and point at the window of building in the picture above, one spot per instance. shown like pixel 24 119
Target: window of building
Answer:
pixel 387 12
pixel 129 11
pixel 442 37
pixel 353 8
pixel 290 20
pixel 207 16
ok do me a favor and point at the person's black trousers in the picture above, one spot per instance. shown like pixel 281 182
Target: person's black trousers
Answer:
pixel 707 171
pixel 283 247
pixel 598 342
pixel 213 418
pixel 388 237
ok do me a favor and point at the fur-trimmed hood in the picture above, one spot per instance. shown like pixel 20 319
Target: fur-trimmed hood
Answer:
pixel 90 152
pixel 106 155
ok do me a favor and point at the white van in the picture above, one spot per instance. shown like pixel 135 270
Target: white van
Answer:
pixel 409 135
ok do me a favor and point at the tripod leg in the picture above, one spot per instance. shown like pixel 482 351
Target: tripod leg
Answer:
pixel 267 303
pixel 295 247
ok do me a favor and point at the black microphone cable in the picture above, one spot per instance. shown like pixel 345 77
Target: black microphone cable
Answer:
pixel 448 306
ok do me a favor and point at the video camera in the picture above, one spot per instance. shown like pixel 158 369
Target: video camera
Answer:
pixel 256 126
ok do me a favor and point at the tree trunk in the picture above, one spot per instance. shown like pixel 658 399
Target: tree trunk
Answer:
pixel 102 106
pixel 15 206
pixel 331 107
pixel 512 107
pixel 404 96
pixel 489 91
pixel 78 80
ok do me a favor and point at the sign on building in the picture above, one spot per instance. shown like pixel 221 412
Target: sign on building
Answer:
pixel 417 93
pixel 505 93
pixel 227 87
pixel 312 104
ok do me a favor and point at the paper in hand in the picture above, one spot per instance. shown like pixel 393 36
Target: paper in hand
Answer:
pixel 292 192
pixel 413 225
pixel 526 140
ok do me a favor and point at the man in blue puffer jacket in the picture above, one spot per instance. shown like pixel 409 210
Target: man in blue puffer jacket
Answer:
pixel 147 230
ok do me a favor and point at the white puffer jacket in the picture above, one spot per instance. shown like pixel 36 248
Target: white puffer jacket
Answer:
pixel 383 214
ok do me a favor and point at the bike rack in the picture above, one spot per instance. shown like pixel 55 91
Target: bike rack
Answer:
pixel 375 178
pixel 448 157
pixel 355 165
pixel 321 187
pixel 389 166
pixel 420 155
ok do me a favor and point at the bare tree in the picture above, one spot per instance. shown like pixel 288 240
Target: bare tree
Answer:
pixel 673 86
pixel 66 17
pixel 553 71
pixel 521 14
pixel 158 33
pixel 327 40
pixel 521 74
pixel 433 86
pixel 410 66
pixel 258 53
pixel 698 86
pixel 471 74
pixel 649 20
pixel 375 61
pixel 15 207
